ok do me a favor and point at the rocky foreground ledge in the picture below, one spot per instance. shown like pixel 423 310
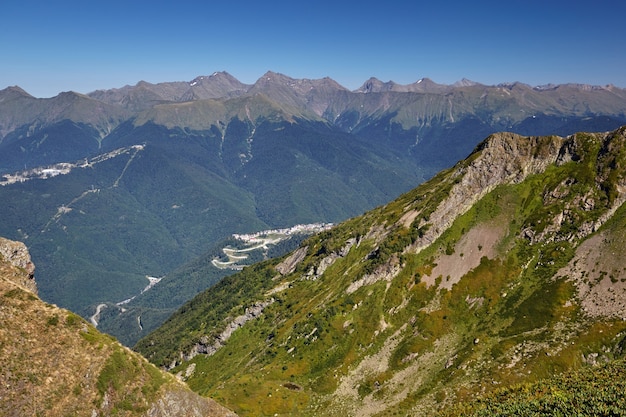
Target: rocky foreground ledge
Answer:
pixel 57 364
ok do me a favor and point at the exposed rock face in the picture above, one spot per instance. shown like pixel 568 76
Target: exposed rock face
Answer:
pixel 602 293
pixel 507 158
pixel 183 402
pixel 386 272
pixel 207 347
pixel 317 271
pixel 17 255
pixel 503 158
pixel 287 266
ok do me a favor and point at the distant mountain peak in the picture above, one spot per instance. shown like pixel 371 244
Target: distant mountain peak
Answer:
pixel 196 81
pixel 217 85
pixel 72 95
pixel 274 78
pixel 423 85
pixel 13 92
pixel 545 87
pixel 464 82
pixel 313 95
pixel 221 74
pixel 216 76
pixel 374 85
pixel 278 78
pixel 269 74
pixel 143 83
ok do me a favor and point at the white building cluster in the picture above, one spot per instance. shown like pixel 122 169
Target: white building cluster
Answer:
pixel 294 230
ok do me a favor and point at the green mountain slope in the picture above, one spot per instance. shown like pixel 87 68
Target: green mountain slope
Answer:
pixel 596 391
pixel 156 198
pixel 55 364
pixel 504 269
pixel 138 316
pixel 103 226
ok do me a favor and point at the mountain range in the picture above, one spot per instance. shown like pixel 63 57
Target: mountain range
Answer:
pixel 495 288
pixel 116 187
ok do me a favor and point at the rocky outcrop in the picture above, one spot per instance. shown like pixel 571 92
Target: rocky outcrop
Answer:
pixel 507 158
pixel 606 191
pixel 503 158
pixel 16 254
pixel 182 402
pixel 386 272
pixel 316 271
pixel 206 346
pixel 287 266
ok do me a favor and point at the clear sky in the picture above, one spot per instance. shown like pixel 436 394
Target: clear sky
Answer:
pixel 49 46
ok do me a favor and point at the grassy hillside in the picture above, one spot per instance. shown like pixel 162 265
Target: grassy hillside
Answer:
pixel 474 281
pixel 55 364
pixel 597 391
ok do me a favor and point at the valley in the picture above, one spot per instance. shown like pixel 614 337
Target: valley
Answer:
pixel 96 316
pixel 138 315
pixel 116 185
pixel 152 282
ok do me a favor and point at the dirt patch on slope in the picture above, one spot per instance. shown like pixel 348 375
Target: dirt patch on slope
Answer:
pixel 481 240
pixel 400 385
pixel 599 271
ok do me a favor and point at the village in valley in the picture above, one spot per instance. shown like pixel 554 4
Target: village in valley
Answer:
pixel 261 241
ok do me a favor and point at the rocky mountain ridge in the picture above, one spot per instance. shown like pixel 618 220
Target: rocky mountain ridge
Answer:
pixel 322 97
pixel 16 254
pixel 498 271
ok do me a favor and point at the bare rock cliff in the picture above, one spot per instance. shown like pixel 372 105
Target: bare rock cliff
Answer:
pixel 503 158
pixel 16 254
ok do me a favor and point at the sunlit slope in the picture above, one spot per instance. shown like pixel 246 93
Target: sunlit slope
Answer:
pixel 55 364
pixel 503 269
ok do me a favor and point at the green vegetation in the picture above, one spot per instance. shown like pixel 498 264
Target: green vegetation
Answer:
pixel 257 280
pixel 100 230
pixel 119 377
pixel 403 309
pixel 507 319
pixel 154 307
pixel 587 392
pixel 210 167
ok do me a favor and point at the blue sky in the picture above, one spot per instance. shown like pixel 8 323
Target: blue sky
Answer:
pixel 51 46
